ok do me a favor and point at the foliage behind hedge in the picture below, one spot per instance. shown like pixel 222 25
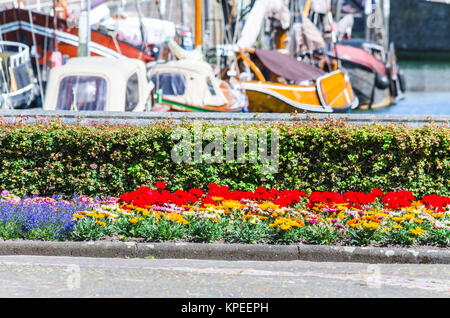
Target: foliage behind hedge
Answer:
pixel 54 158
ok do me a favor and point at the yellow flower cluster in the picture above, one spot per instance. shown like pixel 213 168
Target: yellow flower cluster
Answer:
pixel 286 223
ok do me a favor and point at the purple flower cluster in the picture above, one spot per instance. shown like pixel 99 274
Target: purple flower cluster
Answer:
pixel 38 218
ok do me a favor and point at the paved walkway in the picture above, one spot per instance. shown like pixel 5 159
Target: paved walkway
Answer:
pixel 42 276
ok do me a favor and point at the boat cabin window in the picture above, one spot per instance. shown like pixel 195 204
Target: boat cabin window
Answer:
pixel 82 93
pixel 132 95
pixel 171 84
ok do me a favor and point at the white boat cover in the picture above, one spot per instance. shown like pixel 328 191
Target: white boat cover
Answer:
pixel 345 26
pixel 183 54
pixel 262 9
pixel 319 6
pixel 99 14
pixel 155 31
pixel 306 37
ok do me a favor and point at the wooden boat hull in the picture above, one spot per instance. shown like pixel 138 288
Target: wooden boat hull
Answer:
pixel 233 104
pixel 331 93
pixel 180 107
pixel 363 82
pixel 15 25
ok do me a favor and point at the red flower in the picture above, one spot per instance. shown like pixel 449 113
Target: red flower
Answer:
pixel 160 185
pixel 197 192
pixel 377 193
pixel 436 202
pixel 398 200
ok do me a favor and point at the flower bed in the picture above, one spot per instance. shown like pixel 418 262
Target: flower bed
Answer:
pixel 221 214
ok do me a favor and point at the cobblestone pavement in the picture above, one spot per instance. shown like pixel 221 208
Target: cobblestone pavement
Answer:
pixel 39 276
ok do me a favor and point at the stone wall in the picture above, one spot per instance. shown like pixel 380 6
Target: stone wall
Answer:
pixel 419 25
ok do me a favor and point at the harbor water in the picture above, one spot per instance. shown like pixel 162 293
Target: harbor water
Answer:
pixel 428 90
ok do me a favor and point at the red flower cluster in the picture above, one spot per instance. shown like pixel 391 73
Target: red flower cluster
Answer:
pixel 329 198
pixel 281 198
pixel 359 199
pixel 398 200
pixel 353 199
pixel 146 196
pixel 436 202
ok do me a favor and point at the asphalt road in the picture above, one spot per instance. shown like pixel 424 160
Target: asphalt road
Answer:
pixel 39 276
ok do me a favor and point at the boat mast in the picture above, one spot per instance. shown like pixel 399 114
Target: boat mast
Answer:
pixel 387 14
pixel 307 7
pixel 55 26
pixel 198 23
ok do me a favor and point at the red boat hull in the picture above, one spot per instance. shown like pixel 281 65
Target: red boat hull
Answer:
pixel 15 25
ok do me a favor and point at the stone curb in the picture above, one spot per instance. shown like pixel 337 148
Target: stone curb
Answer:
pixel 312 253
pixel 88 117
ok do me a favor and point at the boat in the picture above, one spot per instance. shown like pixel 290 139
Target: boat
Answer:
pixel 100 84
pixel 282 84
pixel 371 62
pixel 19 86
pixel 273 79
pixel 185 82
pixel 56 34
pixel 375 76
pixel 190 85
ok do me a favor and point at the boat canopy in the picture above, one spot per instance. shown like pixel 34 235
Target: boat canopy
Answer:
pixel 187 82
pixel 288 67
pixel 359 56
pixel 98 83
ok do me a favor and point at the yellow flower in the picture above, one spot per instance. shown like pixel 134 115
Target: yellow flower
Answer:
pixel 385 229
pixel 286 224
pixel 408 217
pixel 417 231
pixel 417 220
pixel 416 204
pixel 101 223
pixel 135 220
pixel 397 226
pixel 78 216
pixel 371 225
pixel 341 216
pixel 268 205
pixel 231 204
pixel 397 219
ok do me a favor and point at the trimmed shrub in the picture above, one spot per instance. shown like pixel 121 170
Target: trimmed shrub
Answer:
pixel 51 158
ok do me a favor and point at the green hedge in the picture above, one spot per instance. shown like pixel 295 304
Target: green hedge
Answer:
pixel 54 158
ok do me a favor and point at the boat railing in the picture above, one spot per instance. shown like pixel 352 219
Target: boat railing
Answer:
pixel 20 53
pixel 18 87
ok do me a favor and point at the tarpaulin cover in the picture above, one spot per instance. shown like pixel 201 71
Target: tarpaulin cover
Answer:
pixel 359 56
pixel 288 67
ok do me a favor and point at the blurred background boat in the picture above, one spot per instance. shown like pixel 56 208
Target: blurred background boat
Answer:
pixel 329 37
pixel 19 86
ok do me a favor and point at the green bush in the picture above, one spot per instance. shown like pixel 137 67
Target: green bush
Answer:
pixel 55 158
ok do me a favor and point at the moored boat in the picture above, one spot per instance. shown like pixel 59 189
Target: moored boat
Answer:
pixel 375 75
pixel 190 85
pixel 19 87
pixel 99 84
pixel 58 34
pixel 279 83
